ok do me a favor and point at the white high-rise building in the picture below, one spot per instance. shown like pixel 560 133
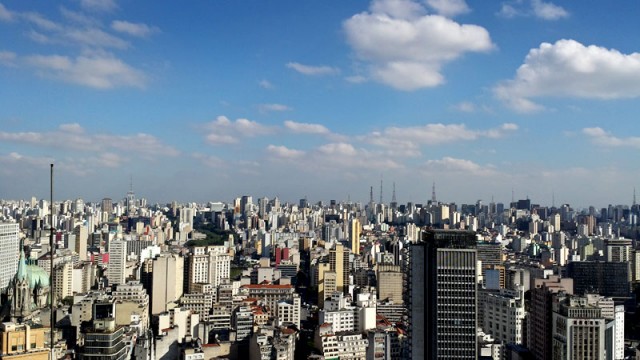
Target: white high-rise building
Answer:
pixel 504 315
pixel 587 327
pixel 9 250
pixel 117 262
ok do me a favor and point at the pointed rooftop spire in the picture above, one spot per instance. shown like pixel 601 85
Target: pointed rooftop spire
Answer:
pixel 22 264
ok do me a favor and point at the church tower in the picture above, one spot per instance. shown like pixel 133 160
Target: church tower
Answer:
pixel 20 296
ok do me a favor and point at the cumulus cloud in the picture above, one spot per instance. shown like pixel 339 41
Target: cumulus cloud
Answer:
pixel 536 8
pixel 548 11
pixel 133 29
pixel 74 137
pixel 305 128
pixel 571 69
pixel 408 140
pixel 312 70
pixel 452 165
pixel 99 70
pixel 601 137
pixel 273 107
pixel 449 8
pixel 284 152
pixel 223 131
pixel 407 48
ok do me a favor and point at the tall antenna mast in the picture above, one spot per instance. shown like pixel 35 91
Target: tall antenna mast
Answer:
pixel 51 248
pixel 393 196
pixel 553 199
pixel 513 197
pixel 380 188
pixel 433 192
pixel 634 196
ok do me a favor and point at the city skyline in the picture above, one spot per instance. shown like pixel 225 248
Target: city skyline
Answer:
pixel 209 101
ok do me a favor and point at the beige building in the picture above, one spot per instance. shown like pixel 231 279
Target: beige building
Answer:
pixel 390 283
pixel 132 302
pixel 163 279
pixel 339 262
pixel 63 281
pixel 23 342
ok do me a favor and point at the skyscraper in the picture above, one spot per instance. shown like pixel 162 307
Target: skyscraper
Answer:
pixel 354 235
pixel 339 262
pixel 117 262
pixel 9 244
pixel 541 313
pixel 442 295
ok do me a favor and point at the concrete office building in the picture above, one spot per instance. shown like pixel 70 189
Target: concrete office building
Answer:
pixel 442 295
pixel 540 323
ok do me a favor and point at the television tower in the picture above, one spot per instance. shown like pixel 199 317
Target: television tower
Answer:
pixel 393 196
pixel 433 192
pixel 380 189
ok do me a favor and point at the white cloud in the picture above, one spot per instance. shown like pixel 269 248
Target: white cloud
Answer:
pixel 74 128
pixel 449 8
pixel 356 79
pixel 223 131
pixel 209 160
pixel 78 17
pixel 265 84
pixel 570 69
pixel 408 140
pixel 95 37
pixel 273 107
pixel 100 71
pixel 466 106
pixel 133 29
pixel 109 159
pixel 452 165
pixel 283 152
pixel 547 10
pixel 407 48
pixel 99 5
pixel 306 128
pixel 312 70
pixel 604 138
pixel 41 21
pixel 74 137
pixel 536 8
pixel 5 14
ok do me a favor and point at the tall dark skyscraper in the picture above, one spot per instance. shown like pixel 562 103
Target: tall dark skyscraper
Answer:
pixel 442 295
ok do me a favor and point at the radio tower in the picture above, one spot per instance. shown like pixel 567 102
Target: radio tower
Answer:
pixel 393 196
pixel 380 189
pixel 433 193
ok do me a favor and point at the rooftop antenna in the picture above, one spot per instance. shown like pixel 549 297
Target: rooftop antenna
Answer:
pixel 51 248
pixel 393 196
pixel 433 192
pixel 553 199
pixel 513 196
pixel 634 196
pixel 380 188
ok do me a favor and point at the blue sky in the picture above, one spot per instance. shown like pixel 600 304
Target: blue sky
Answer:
pixel 208 100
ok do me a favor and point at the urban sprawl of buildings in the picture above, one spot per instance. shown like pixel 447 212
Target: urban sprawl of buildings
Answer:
pixel 339 280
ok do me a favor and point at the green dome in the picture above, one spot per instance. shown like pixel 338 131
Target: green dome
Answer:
pixel 37 274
